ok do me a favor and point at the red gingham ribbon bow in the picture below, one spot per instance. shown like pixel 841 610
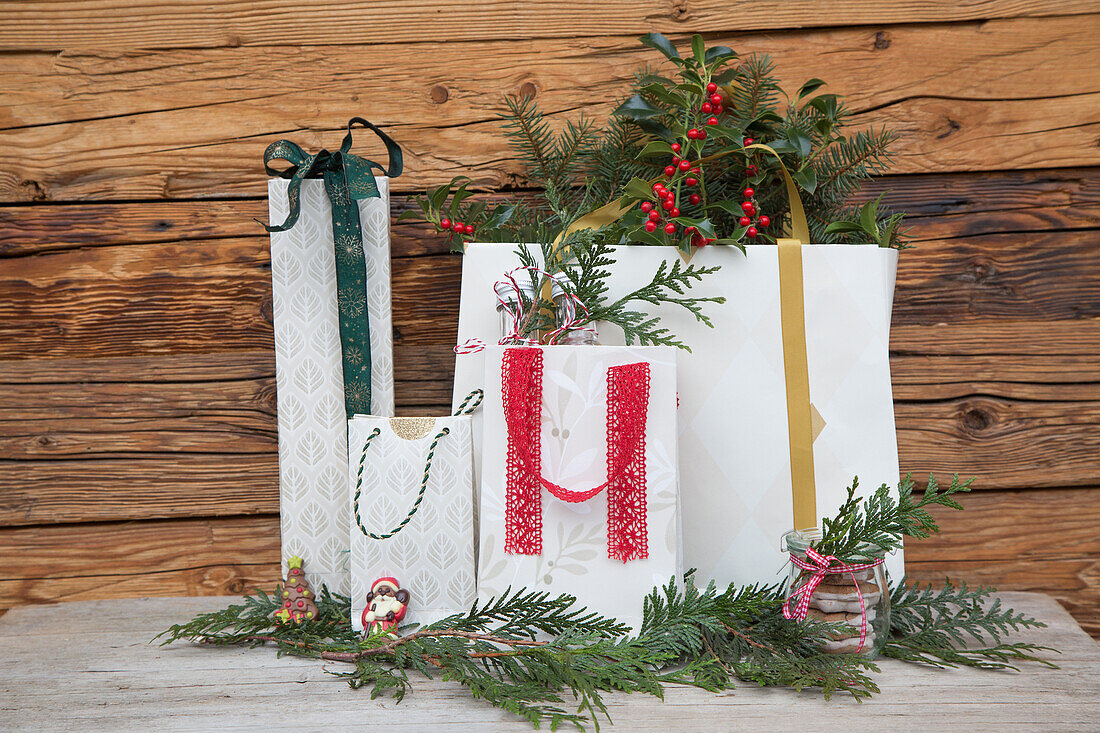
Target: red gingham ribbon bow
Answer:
pixel 823 565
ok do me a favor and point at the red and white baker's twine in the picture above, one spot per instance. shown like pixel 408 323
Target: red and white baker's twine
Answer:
pixel 821 566
pixel 515 312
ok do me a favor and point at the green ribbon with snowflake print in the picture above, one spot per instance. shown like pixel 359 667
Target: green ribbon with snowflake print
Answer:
pixel 348 179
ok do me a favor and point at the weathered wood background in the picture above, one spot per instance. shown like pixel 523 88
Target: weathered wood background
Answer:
pixel 137 410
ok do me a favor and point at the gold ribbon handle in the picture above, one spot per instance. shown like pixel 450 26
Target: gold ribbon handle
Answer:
pixel 796 371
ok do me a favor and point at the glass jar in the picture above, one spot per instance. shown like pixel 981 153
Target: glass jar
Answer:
pixel 847 593
pixel 565 310
pixel 509 305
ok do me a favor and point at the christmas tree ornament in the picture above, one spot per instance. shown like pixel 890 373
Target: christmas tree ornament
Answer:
pixel 387 603
pixel 295 595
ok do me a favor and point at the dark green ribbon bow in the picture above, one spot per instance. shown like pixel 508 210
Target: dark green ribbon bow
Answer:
pixel 348 178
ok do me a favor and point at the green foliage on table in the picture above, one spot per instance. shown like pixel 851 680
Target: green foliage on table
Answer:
pixel 548 661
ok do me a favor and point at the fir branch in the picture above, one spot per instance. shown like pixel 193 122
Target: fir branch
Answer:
pixel 529 134
pixel 849 162
pixel 755 89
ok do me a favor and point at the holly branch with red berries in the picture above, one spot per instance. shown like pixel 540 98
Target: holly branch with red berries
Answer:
pixel 679 146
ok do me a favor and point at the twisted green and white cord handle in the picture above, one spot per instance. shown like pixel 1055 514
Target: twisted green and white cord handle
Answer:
pixel 419 497
pixel 465 408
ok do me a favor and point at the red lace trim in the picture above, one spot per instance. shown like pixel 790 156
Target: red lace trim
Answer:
pixel 521 388
pixel 627 406
pixel 627 409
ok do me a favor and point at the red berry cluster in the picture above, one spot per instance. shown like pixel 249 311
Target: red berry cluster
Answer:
pixel 683 172
pixel 665 200
pixel 457 227
pixel 754 219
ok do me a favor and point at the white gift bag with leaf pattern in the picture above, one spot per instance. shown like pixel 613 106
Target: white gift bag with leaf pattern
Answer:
pixel 309 380
pixel 579 489
pixel 412 507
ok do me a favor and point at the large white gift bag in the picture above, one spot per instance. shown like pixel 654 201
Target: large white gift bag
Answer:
pixel 310 361
pixel 412 511
pixel 579 490
pixel 735 425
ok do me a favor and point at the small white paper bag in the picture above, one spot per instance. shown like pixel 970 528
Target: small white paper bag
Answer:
pixel 412 512
pixel 601 520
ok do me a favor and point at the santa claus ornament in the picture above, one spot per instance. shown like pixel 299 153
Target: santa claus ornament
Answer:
pixel 387 603
pixel 296 595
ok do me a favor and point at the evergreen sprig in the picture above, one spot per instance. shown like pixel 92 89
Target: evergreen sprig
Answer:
pixel 588 273
pixel 874 526
pixel 957 626
pixel 547 660
pixel 585 258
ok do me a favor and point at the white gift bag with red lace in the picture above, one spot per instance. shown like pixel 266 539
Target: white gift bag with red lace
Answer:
pixel 579 488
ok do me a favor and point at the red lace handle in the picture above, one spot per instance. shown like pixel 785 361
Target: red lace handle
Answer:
pixel 627 410
pixel 573 497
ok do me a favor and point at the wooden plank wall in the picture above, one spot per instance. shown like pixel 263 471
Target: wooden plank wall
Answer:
pixel 137 397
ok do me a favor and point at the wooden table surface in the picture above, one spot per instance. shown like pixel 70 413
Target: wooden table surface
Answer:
pixel 89 666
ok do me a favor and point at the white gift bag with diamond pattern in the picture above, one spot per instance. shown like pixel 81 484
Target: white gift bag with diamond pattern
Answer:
pixel 412 512
pixel 734 450
pixel 576 549
pixel 313 508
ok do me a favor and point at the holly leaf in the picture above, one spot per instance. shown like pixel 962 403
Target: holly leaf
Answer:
pixel 641 235
pixel 501 215
pixel 766 116
pixel 801 141
pixel 725 132
pixel 824 126
pixel 699 49
pixel 729 207
pixel 638 189
pixel 810 87
pixel 703 225
pixel 670 98
pixel 475 211
pixel 438 195
pixel 636 108
pixel 838 227
pixel 782 147
pixel 692 75
pixel 656 147
pixel 660 42
pixel 656 79
pixel 459 196
pixel 726 75
pixel 733 243
pixel 655 128
pixel 825 104
pixel 806 177
pixel 716 53
pixel 868 217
